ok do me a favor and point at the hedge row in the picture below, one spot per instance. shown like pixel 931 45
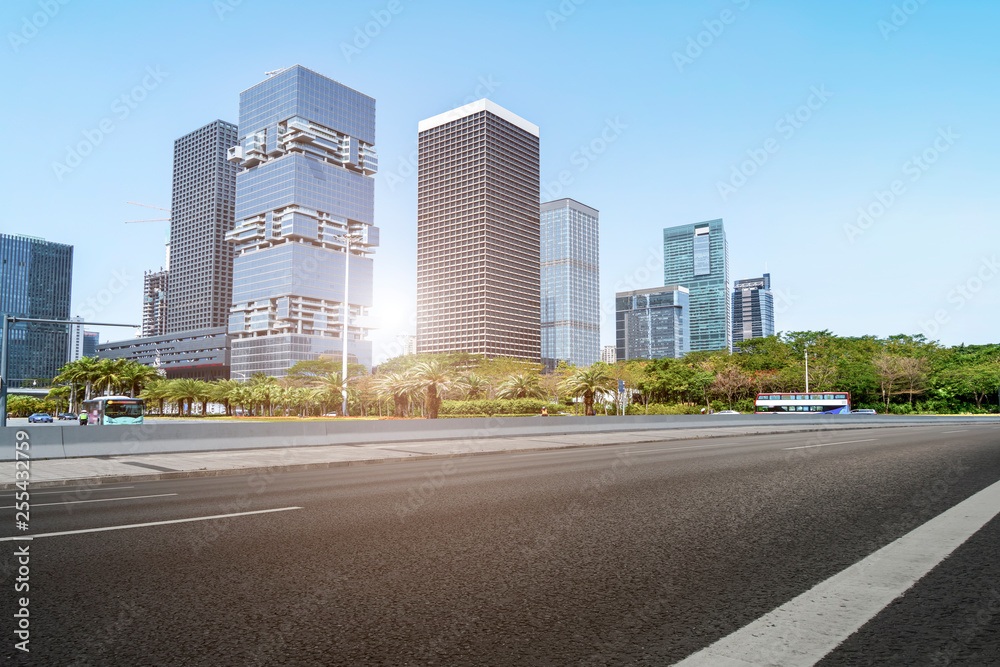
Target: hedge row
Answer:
pixel 491 407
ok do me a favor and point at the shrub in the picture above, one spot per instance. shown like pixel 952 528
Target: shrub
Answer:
pixel 491 407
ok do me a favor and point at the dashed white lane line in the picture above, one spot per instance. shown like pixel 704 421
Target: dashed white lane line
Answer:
pixel 144 525
pixel 69 492
pixel 802 631
pixel 96 500
pixel 827 444
pixel 962 431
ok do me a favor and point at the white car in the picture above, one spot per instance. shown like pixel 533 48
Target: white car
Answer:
pixel 726 412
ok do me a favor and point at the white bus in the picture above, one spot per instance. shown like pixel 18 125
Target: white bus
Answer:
pixel 823 403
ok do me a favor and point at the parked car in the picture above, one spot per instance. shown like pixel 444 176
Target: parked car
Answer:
pixel 863 412
pixel 67 415
pixel 726 412
pixel 40 417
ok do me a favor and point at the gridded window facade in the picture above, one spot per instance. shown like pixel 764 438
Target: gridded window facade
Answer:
pixel 478 255
pixel 697 257
pixel 155 285
pixel 569 283
pixel 753 308
pixel 652 323
pixel 307 158
pixel 36 279
pixel 201 213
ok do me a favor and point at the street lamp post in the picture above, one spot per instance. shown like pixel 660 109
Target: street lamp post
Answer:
pixel 807 369
pixel 348 240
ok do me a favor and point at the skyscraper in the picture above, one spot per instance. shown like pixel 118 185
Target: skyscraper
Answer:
pixel 753 308
pixel 201 213
pixel 571 321
pixel 307 157
pixel 478 273
pixel 36 279
pixel 155 286
pixel 652 323
pixel 697 257
pixel 609 354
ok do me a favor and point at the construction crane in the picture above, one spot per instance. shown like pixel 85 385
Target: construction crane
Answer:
pixel 149 219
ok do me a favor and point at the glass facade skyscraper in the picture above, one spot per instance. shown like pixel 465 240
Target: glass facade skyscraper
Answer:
pixel 652 323
pixel 569 281
pixel 307 158
pixel 753 308
pixel 200 287
pixel 478 273
pixel 697 257
pixel 36 280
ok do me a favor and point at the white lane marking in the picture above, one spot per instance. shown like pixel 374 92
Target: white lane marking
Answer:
pixel 962 431
pixel 70 492
pixel 153 523
pixel 827 444
pixel 802 631
pixel 98 500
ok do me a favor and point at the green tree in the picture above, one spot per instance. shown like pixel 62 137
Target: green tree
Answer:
pixel 434 379
pixel 588 382
pixel 522 385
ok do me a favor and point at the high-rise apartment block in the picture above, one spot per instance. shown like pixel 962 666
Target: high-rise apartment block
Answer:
pixel 753 308
pixel 609 354
pixel 155 286
pixel 697 257
pixel 201 213
pixel 307 158
pixel 36 279
pixel 478 256
pixel 652 323
pixel 571 321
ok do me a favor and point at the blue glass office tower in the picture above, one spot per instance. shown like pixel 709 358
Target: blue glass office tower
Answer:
pixel 571 320
pixel 307 159
pixel 36 280
pixel 652 323
pixel 753 308
pixel 697 257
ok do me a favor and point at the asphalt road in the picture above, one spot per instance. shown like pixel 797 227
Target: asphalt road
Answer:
pixel 618 555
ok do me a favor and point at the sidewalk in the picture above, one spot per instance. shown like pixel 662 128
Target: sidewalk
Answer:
pixel 116 469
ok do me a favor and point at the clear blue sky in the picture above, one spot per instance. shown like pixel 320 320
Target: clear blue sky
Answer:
pixel 676 117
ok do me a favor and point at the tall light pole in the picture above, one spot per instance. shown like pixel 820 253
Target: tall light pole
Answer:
pixel 807 369
pixel 348 240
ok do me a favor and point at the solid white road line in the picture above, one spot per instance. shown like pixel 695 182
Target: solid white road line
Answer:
pixel 71 492
pixel 153 523
pixel 802 631
pixel 962 431
pixel 827 444
pixel 97 500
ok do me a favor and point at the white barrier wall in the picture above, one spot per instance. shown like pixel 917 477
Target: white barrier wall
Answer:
pixel 69 441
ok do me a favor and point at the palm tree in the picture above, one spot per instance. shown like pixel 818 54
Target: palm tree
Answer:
pixel 109 375
pixel 225 392
pixel 262 391
pixel 83 371
pixel 523 385
pixel 396 387
pixel 187 390
pixel 472 386
pixel 157 390
pixel 587 382
pixel 434 379
pixel 331 388
pixel 135 376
